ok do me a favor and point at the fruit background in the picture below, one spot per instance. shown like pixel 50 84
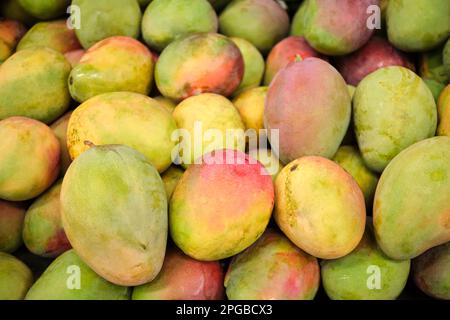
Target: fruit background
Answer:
pixel 93 204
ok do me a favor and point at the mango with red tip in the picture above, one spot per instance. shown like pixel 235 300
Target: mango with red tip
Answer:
pixel 45 9
pixel 410 218
pixel 273 268
pixel 199 63
pixel 112 65
pixel 43 233
pixel 319 207
pixel 11 31
pixel 29 158
pixel 184 278
pixel 221 206
pixel 15 278
pixel 11 224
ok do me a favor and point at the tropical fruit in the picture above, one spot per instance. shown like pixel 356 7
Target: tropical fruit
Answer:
pixel 199 63
pixel 261 22
pixel 114 213
pixel 220 207
pixel 207 122
pixel 59 128
pixel 273 268
pixel 11 223
pixel 365 274
pixel 417 25
pixel 11 31
pixel 183 278
pixel 253 65
pixel 102 19
pixel 40 76
pixel 309 104
pixel 393 109
pixel 170 178
pixel 412 201
pixel 250 104
pixel 334 27
pixel 349 158
pixel 166 20
pixel 288 50
pixel 268 159
pixel 125 118
pixel 29 158
pixel 15 278
pixel 43 233
pixel 69 278
pixel 112 65
pixel 54 35
pixel 45 9
pixel 319 207
pixel 431 272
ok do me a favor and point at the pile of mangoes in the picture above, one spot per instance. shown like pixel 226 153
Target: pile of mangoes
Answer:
pixel 346 195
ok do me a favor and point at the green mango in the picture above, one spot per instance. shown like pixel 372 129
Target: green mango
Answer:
pixel 15 278
pixel 45 9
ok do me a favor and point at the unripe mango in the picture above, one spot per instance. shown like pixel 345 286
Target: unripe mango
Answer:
pixel 15 278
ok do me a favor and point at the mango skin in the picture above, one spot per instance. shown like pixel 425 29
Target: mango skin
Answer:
pixel 392 109
pixel 273 268
pixel 261 22
pixel 250 104
pixel 199 63
pixel 11 31
pixel 308 102
pixel 347 278
pixel 183 278
pixel 170 178
pixel 208 226
pixel 102 19
pixel 29 158
pixel 112 65
pixel 11 224
pixel 53 283
pixel 268 159
pixel 333 27
pixel 430 271
pixel 349 158
pixel 45 9
pixel 54 35
pixel 417 25
pixel 405 223
pixel 43 233
pixel 15 278
pixel 40 75
pixel 207 111
pixel 165 20
pixel 319 207
pixel 123 118
pixel 114 213
pixel 253 65
pixel 59 128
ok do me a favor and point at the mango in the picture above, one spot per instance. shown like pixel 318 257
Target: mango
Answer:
pixel 69 278
pixel 435 87
pixel 166 103
pixel 33 83
pixel 221 206
pixel 184 278
pixel 74 56
pixel 268 159
pixel 253 65
pixel 43 234
pixel 166 20
pixel 54 35
pixel 199 63
pixel 261 22
pixel 45 9
pixel 102 19
pixel 430 272
pixel 417 25
pixel 365 274
pixel 250 104
pixel 12 10
pixel 15 278
pixel 59 128
pixel 309 104
pixel 392 109
pixel 112 65
pixel 123 118
pixel 11 224
pixel 334 27
pixel 412 202
pixel 11 31
pixel 273 268
pixel 288 50
pixel 349 158
pixel 114 213
pixel 170 178
pixel 319 207
pixel 29 158
pixel 207 122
